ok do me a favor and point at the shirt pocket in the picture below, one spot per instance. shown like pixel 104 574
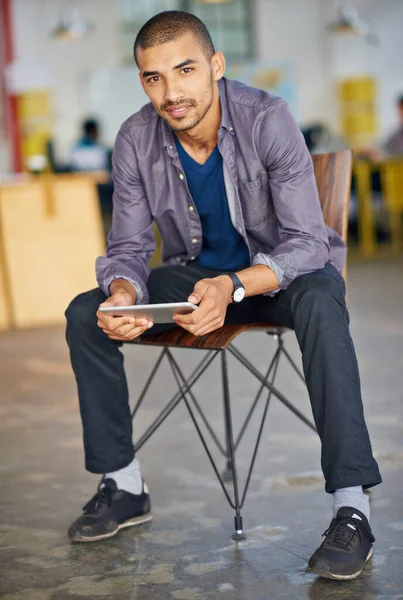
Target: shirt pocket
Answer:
pixel 256 200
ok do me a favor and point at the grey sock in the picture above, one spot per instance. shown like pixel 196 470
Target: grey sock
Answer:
pixel 351 496
pixel 128 478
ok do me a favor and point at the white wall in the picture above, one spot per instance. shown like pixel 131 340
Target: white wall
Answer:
pixel 68 61
pixel 287 30
pixel 293 30
pixel 296 30
pixel 389 66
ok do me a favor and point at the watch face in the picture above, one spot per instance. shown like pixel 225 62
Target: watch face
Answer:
pixel 239 294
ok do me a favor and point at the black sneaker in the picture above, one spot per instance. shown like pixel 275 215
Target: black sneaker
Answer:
pixel 109 511
pixel 347 547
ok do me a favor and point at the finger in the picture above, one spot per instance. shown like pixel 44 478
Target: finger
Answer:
pixel 208 329
pixel 113 322
pixel 106 303
pixel 209 323
pixel 125 331
pixel 198 292
pixel 131 335
pixel 195 329
pixel 119 322
pixel 188 319
pixel 205 307
pixel 127 328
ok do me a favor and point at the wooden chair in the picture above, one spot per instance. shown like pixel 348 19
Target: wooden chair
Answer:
pixel 333 177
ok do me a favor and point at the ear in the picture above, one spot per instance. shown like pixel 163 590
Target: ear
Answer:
pixel 218 64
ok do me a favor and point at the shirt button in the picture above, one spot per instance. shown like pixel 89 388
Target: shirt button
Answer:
pixel 192 257
pixel 231 129
pixel 181 176
pixel 194 241
pixel 178 259
pixel 191 208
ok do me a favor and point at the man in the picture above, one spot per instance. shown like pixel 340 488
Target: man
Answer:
pixel 394 145
pixel 88 154
pixel 224 171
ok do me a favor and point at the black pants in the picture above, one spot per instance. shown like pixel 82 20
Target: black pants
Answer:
pixel 313 305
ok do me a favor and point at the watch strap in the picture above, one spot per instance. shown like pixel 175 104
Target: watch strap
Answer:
pixel 235 280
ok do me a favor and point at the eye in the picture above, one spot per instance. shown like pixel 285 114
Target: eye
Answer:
pixel 186 70
pixel 153 79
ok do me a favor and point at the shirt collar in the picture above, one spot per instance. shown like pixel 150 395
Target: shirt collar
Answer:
pixel 226 123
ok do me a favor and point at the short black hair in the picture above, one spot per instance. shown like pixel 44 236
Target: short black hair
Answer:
pixel 170 25
pixel 90 127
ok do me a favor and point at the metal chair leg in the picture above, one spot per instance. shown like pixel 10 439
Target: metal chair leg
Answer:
pixel 148 383
pixel 239 534
pixel 227 474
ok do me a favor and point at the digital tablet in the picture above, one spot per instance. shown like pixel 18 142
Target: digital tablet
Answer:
pixel 157 313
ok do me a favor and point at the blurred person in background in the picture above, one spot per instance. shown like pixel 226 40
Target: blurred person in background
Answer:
pixel 393 146
pixel 224 171
pixel 320 139
pixel 89 154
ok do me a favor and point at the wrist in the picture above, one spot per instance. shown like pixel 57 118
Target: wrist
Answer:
pixel 122 286
pixel 226 282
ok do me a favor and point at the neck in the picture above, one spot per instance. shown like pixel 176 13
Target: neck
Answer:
pixel 205 134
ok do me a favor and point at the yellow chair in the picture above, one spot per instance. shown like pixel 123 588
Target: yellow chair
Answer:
pixel 391 171
pixel 392 188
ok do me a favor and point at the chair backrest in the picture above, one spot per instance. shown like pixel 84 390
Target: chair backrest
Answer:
pixel 333 178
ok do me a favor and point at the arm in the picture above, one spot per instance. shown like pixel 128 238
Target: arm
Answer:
pixel 131 240
pixel 304 245
pixel 123 272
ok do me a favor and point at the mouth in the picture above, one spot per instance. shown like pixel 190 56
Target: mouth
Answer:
pixel 178 111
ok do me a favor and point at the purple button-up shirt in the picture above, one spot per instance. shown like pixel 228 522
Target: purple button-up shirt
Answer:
pixel 270 184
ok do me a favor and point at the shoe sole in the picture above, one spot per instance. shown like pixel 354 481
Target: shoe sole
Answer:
pixel 130 523
pixel 328 575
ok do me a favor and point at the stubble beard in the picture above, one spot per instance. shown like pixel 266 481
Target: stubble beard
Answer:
pixel 176 123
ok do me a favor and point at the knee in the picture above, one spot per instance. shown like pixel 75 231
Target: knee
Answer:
pixel 320 296
pixel 82 310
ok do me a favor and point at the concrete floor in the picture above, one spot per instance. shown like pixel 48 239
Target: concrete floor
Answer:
pixel 186 552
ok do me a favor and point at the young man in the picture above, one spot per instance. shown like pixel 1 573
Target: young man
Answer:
pixel 223 170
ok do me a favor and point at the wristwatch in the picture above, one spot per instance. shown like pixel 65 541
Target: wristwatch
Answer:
pixel 238 293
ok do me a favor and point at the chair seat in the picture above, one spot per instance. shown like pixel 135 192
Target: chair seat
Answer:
pixel 216 340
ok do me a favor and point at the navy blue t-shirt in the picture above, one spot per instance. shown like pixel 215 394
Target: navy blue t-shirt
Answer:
pixel 223 247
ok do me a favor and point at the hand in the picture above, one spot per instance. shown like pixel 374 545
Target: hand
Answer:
pixel 122 329
pixel 213 297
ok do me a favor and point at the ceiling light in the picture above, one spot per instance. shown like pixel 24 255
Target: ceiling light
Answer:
pixel 72 28
pixel 350 23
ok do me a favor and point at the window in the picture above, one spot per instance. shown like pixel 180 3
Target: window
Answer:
pixel 229 23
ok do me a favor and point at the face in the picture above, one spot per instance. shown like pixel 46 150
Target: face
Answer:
pixel 180 80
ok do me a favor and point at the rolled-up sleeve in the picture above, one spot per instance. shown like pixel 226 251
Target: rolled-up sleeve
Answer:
pixel 304 244
pixel 131 240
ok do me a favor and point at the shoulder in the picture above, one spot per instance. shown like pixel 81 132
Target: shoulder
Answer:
pixel 140 123
pixel 241 97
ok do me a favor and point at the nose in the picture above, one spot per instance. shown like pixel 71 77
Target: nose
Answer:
pixel 173 91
